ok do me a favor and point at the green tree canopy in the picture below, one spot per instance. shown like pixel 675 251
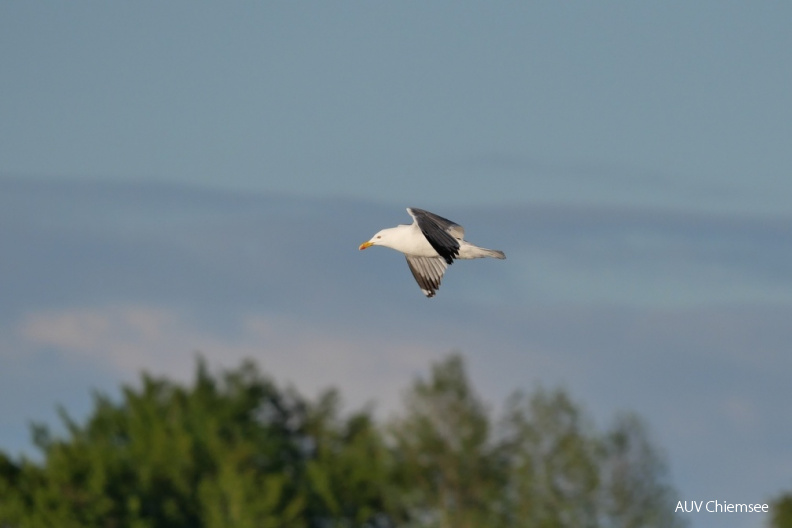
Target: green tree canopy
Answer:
pixel 781 507
pixel 542 464
pixel 235 450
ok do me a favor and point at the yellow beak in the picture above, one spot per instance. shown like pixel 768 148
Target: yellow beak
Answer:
pixel 364 245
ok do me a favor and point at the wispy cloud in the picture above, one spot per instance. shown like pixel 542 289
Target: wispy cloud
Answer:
pixel 129 339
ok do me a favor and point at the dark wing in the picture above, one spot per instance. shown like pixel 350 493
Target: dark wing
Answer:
pixel 443 234
pixel 428 272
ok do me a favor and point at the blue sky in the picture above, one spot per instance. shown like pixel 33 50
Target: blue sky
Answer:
pixel 180 177
pixel 652 102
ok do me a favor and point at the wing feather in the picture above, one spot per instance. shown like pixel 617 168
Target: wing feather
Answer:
pixel 443 234
pixel 428 272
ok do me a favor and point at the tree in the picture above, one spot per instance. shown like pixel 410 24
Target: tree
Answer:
pixel 448 467
pixel 234 449
pixel 349 469
pixel 782 511
pixel 563 472
pixel 544 465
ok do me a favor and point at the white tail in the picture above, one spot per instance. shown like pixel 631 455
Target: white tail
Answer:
pixel 494 253
pixel 469 251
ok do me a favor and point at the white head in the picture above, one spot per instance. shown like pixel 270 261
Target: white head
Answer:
pixel 382 238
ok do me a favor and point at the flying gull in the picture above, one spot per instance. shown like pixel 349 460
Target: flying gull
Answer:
pixel 430 244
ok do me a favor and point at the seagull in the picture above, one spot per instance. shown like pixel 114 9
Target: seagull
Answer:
pixel 430 244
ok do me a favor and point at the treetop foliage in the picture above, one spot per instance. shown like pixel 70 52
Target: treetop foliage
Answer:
pixel 234 449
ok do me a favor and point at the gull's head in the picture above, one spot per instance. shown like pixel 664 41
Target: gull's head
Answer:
pixel 380 239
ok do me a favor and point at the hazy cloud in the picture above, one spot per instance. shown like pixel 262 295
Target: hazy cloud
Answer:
pixel 129 339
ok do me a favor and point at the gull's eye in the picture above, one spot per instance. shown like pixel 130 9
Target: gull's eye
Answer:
pixel 379 236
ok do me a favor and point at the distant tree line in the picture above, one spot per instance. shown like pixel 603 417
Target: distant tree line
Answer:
pixel 234 449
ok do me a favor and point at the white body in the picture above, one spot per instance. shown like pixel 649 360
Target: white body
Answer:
pixel 409 240
pixel 430 243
